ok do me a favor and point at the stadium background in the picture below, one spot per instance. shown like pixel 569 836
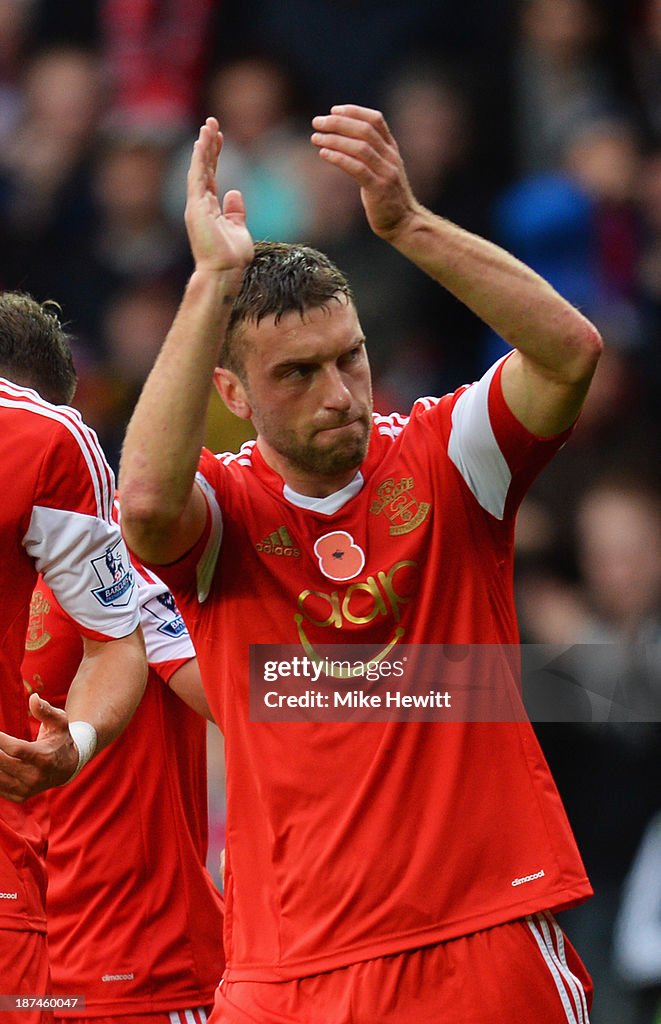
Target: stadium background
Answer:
pixel 537 123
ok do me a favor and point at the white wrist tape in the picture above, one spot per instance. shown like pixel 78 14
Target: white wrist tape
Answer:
pixel 84 736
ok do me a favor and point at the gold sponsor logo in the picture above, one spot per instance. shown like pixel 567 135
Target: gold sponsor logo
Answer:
pixel 397 502
pixel 278 543
pixel 359 604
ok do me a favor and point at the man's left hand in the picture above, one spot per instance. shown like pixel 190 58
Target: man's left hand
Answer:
pixel 358 140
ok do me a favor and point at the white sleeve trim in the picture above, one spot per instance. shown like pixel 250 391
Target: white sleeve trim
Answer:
pixel 164 630
pixel 206 565
pixel 474 450
pixel 84 561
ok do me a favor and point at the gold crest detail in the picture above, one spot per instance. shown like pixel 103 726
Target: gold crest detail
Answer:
pixel 37 634
pixel 399 505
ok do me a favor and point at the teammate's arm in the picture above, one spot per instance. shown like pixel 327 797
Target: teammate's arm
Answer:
pixel 187 684
pixel 104 694
pixel 163 512
pixel 546 380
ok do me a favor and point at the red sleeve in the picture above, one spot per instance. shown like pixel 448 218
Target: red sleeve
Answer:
pixel 166 669
pixel 186 575
pixel 526 454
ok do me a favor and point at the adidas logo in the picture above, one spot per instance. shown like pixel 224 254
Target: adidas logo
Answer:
pixel 278 543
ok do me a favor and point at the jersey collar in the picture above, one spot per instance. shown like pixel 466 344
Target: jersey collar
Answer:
pixel 331 503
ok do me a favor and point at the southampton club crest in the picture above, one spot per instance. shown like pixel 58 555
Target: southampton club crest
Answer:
pixel 115 577
pixel 395 499
pixel 165 611
pixel 37 635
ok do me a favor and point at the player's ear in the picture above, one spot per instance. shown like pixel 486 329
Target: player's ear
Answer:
pixel 231 390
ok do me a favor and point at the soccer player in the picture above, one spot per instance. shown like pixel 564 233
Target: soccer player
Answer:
pixel 392 871
pixel 134 919
pixel 55 518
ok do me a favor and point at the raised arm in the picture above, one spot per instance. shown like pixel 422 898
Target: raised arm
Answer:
pixel 547 379
pixel 187 684
pixel 163 512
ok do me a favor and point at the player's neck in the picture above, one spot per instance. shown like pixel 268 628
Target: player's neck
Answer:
pixel 304 482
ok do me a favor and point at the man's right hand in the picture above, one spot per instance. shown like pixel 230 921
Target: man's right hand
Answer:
pixel 28 767
pixel 218 235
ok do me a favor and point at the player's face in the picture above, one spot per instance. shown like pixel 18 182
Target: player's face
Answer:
pixel 310 393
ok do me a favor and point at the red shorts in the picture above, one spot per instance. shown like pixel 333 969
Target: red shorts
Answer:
pixel 199 1015
pixel 24 972
pixel 524 971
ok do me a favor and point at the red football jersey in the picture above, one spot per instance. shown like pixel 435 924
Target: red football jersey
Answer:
pixel 353 840
pixel 134 919
pixel 55 518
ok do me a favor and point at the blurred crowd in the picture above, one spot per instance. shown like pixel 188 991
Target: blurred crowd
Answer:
pixel 534 122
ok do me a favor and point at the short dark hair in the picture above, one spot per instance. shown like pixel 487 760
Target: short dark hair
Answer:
pixel 282 278
pixel 35 349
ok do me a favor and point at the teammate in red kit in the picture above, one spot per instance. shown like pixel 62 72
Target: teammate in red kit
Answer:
pixel 142 939
pixel 55 518
pixel 382 871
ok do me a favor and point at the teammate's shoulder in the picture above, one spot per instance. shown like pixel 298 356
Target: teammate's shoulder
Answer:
pixel 66 461
pixel 16 399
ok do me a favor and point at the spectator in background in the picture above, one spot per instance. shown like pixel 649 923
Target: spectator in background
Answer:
pixel 590 228
pixel 155 57
pixel 581 216
pixel 637 944
pixel 644 58
pixel 649 261
pixel 15 28
pixel 431 114
pixel 615 428
pixel 135 324
pixel 351 48
pixel 254 98
pixel 126 246
pixel 133 240
pixel 579 224
pixel 613 613
pixel 560 73
pixel 44 167
pixel 135 321
pixel 603 156
pixel 619 551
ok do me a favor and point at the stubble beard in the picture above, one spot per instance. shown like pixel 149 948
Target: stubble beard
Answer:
pixel 324 461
